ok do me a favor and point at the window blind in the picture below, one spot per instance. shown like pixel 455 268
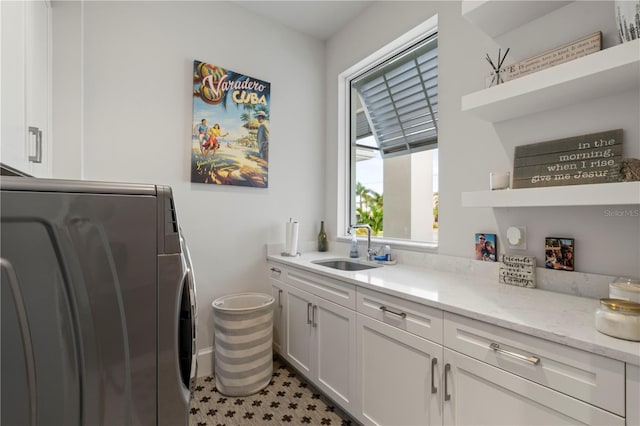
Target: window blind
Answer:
pixel 400 100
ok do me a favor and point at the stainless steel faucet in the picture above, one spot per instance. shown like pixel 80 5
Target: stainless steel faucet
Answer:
pixel 370 252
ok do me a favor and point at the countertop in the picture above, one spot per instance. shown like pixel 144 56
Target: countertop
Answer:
pixel 562 318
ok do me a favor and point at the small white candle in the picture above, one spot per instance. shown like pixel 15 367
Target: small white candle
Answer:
pixel 499 180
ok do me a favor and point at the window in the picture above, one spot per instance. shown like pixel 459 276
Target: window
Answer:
pixel 391 103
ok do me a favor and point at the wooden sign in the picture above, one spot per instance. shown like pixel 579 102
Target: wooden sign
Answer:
pixel 518 270
pixel 593 158
pixel 582 47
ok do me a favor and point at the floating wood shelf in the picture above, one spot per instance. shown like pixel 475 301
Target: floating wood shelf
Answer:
pixel 602 194
pixel 607 72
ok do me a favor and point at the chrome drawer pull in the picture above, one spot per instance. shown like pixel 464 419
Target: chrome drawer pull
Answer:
pixel 400 314
pixel 532 359
pixel 313 316
pixel 434 362
pixel 37 157
pixel 447 369
pixel 276 270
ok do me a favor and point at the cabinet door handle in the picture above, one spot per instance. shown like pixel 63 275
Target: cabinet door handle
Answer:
pixel 276 271
pixel 309 313
pixel 447 395
pixel 37 158
pixel 434 362
pixel 400 314
pixel 532 359
pixel 280 297
pixel 314 311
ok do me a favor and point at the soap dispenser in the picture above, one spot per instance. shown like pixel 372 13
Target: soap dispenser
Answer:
pixel 354 246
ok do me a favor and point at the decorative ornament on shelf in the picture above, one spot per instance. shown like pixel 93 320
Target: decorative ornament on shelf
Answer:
pixel 497 78
pixel 627 19
pixel 630 170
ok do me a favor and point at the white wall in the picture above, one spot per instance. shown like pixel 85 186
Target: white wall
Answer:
pixel 470 148
pixel 137 61
pixel 67 97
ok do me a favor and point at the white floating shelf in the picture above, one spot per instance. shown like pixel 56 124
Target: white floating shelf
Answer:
pixel 498 17
pixel 607 72
pixel 601 194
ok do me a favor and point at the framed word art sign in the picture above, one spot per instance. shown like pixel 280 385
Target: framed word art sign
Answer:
pixel 593 158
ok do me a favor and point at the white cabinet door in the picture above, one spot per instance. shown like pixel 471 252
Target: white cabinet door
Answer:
pixel 335 351
pixel 277 291
pixel 633 395
pixel 476 393
pixel 38 81
pixel 320 343
pixel 12 89
pixel 398 376
pixel 299 332
pixel 25 86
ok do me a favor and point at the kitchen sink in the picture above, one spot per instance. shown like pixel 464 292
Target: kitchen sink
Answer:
pixel 346 264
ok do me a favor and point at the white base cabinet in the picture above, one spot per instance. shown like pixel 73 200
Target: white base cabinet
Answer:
pixel 319 336
pixel 399 376
pixel 391 361
pixel 479 394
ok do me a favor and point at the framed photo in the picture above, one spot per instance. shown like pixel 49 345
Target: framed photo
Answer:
pixel 486 247
pixel 559 253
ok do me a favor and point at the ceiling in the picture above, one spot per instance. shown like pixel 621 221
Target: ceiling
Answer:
pixel 319 19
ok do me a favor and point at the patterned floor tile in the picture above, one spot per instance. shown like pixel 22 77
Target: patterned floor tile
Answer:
pixel 288 399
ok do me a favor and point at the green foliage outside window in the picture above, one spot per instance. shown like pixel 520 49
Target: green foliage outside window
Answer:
pixel 435 210
pixel 369 208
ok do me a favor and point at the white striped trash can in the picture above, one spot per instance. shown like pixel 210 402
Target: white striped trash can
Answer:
pixel 243 343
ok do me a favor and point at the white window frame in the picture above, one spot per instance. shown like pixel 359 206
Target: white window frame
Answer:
pixel 393 48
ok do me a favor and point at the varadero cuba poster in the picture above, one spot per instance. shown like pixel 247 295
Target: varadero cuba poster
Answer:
pixel 230 140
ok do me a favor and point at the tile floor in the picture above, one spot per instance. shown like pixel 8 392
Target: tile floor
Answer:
pixel 288 399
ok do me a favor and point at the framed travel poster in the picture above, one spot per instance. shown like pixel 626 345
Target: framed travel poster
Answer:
pixel 486 247
pixel 230 137
pixel 559 253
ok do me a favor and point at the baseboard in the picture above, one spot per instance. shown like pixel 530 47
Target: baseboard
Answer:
pixel 205 362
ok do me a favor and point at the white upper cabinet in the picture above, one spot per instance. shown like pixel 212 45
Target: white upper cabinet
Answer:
pixel 26 86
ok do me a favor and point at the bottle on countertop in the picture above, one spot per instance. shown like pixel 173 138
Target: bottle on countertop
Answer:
pixel 353 252
pixel 322 238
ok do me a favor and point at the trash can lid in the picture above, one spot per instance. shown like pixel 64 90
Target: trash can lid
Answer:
pixel 242 302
